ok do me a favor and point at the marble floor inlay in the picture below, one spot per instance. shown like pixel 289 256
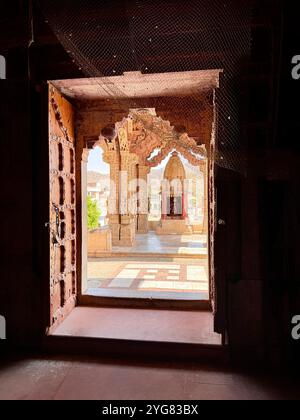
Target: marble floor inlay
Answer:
pixel 131 277
pixel 179 271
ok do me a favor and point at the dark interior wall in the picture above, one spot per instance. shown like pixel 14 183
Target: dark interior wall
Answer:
pixel 262 268
pixel 16 210
pixel 279 204
pixel 24 194
pixel 16 267
pixel 262 303
pixel 24 291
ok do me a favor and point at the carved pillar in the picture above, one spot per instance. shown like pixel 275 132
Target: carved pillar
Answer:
pixel 127 198
pixel 84 252
pixel 143 224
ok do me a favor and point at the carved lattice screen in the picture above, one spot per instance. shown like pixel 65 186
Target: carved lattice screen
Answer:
pixel 62 207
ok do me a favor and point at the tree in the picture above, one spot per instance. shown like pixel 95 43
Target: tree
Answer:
pixel 93 213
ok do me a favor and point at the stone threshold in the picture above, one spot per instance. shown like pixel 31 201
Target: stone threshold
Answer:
pixel 138 334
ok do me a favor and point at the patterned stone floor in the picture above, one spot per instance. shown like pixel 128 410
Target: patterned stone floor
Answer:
pixel 168 278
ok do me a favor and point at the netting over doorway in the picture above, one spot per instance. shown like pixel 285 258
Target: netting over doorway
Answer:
pixel 108 38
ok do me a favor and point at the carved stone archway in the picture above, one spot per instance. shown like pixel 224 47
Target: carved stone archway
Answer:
pixel 127 147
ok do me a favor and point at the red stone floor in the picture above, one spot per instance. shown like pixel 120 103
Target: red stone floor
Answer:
pixel 194 327
pixel 90 379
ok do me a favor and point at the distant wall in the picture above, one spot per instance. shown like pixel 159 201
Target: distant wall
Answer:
pixel 99 241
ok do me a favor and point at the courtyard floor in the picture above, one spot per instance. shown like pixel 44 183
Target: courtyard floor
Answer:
pixel 150 243
pixel 139 277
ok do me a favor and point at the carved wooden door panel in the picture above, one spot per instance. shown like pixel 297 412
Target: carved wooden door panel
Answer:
pixel 62 207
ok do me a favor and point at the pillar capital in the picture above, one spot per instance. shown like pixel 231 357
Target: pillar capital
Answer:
pixel 144 170
pixel 110 157
pixel 203 166
pixel 128 159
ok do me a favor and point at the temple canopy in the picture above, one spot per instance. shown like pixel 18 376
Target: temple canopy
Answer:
pixel 174 169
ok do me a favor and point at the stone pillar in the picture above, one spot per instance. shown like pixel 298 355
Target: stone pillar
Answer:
pixel 165 199
pixel 113 201
pixel 84 234
pixel 143 201
pixel 127 174
pixel 133 188
pixel 184 205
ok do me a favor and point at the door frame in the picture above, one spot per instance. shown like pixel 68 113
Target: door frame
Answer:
pixel 85 300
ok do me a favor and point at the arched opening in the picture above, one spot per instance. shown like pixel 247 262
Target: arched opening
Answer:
pixel 152 240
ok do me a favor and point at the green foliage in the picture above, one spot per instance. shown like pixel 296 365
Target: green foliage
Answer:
pixel 93 214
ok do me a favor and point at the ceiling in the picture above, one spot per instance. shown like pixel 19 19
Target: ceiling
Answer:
pixel 138 85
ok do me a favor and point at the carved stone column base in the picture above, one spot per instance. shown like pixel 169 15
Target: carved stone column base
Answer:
pixel 115 234
pixel 127 234
pixel 143 224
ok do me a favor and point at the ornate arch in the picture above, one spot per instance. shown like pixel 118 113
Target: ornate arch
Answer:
pixel 142 132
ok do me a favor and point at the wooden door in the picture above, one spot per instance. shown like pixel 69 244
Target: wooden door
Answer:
pixel 62 204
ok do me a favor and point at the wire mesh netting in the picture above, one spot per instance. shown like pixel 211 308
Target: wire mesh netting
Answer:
pixel 106 39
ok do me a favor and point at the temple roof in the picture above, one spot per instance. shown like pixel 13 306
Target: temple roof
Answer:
pixel 174 168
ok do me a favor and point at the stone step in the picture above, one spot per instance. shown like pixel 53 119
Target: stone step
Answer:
pixel 136 350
